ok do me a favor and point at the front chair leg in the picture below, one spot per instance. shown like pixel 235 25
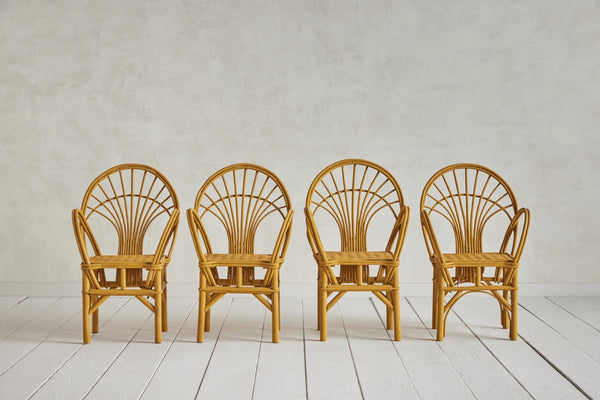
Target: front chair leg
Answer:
pixel 275 310
pixel 514 305
pixel 396 303
pixel 158 307
pixel 440 315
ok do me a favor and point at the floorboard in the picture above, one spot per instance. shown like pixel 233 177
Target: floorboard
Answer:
pixel 232 366
pixel 140 359
pixel 81 372
pixel 24 378
pixel 380 370
pixel 534 373
pixel 471 359
pixel 280 371
pixel 556 357
pixel 181 371
pixel 330 372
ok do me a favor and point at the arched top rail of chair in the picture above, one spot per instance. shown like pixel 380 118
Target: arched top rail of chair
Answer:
pixel 363 188
pixel 468 194
pixel 130 197
pixel 242 190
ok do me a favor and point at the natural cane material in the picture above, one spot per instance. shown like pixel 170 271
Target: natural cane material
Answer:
pixel 353 193
pixel 240 198
pixel 470 199
pixel 132 199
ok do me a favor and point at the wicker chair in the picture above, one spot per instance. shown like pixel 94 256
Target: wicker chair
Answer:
pixel 240 198
pixel 137 201
pixel 468 199
pixel 347 196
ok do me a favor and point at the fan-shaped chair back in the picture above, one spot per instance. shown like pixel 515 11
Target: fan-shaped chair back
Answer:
pixel 352 192
pixel 130 197
pixel 468 196
pixel 241 196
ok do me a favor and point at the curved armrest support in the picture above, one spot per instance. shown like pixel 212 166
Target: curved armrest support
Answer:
pixel 398 234
pixel 283 239
pixel 433 247
pixel 195 224
pixel 168 235
pixel 313 236
pixel 82 229
pixel 519 237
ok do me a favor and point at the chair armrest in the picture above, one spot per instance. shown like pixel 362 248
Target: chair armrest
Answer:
pixel 433 247
pixel 82 229
pixel 283 239
pixel 398 234
pixel 519 238
pixel 169 234
pixel 195 224
pixel 313 236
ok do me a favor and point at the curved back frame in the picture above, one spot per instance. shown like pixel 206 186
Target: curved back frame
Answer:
pixel 130 197
pixel 352 192
pixel 468 196
pixel 241 196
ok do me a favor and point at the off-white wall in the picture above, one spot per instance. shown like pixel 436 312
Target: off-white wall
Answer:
pixel 190 87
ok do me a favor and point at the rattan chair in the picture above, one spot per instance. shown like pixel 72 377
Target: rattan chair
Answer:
pixel 240 198
pixel 137 201
pixel 346 197
pixel 468 200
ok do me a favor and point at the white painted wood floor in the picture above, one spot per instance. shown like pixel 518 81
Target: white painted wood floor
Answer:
pixel 557 355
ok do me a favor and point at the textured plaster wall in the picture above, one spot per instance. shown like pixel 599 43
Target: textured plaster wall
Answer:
pixel 192 86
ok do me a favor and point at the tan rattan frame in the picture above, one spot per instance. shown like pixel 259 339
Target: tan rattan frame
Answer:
pixel 351 192
pixel 130 197
pixel 467 196
pixel 240 196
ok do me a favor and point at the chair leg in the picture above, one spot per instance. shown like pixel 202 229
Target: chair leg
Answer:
pixel 441 327
pixel 95 315
pixel 275 311
pixel 86 309
pixel 207 317
pixel 158 307
pixel 514 305
pixel 319 300
pixel 434 305
pixel 396 302
pixel 504 313
pixel 389 311
pixel 323 309
pixel 165 324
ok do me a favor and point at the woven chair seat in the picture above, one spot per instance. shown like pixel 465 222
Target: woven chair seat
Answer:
pixel 359 257
pixel 242 260
pixel 478 259
pixel 125 261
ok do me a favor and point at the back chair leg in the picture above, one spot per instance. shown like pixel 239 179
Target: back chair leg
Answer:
pixel 504 312
pixel 165 325
pixel 434 305
pixel 158 308
pixel 389 311
pixel 207 319
pixel 95 315
pixel 319 300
